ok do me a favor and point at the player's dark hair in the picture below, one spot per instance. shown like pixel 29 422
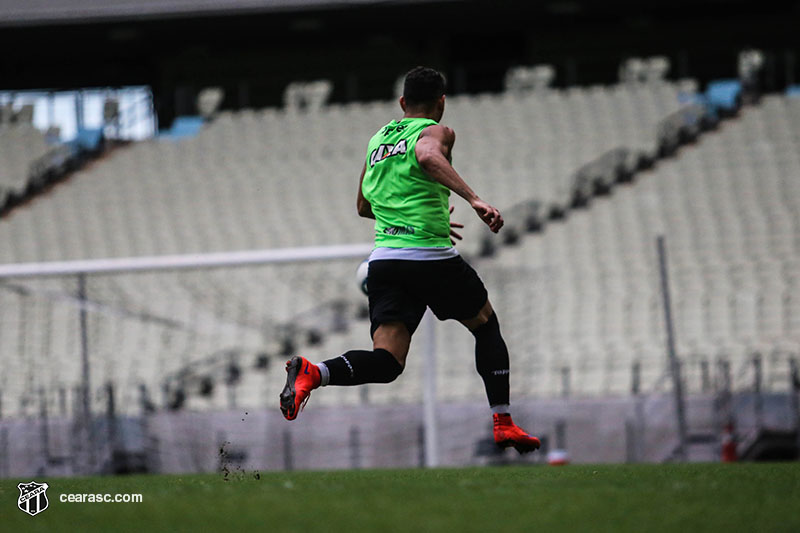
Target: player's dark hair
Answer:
pixel 423 86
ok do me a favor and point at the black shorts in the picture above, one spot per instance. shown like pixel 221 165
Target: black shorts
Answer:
pixel 400 290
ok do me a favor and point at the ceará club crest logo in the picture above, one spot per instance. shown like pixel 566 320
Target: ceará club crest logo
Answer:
pixel 32 497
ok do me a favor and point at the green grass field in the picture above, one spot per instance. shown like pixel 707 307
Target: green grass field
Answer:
pixel 641 498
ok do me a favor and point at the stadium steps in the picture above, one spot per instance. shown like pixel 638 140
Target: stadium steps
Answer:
pixel 730 288
pixel 158 197
pixel 30 194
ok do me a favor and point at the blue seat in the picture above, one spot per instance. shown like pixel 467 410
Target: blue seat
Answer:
pixel 724 94
pixel 183 127
pixel 88 139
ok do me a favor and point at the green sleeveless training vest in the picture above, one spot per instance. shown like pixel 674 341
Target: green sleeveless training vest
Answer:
pixel 411 209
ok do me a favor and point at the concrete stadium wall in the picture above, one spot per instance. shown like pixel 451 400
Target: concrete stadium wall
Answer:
pixel 243 442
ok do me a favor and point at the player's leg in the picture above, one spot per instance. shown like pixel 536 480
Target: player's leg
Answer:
pixel 461 295
pixel 394 314
pixel 394 338
pixel 492 362
pixel 491 357
pixel 383 364
pixel 457 292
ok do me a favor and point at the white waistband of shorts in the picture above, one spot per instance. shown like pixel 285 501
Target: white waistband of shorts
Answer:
pixel 414 254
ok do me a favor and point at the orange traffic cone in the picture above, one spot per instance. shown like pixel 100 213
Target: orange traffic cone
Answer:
pixel 729 444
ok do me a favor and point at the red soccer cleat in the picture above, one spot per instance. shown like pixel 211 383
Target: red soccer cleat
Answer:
pixel 301 378
pixel 507 434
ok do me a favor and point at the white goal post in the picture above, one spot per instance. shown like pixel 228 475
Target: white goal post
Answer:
pixel 185 261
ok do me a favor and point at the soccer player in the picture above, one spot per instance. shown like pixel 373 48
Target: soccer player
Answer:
pixel 405 185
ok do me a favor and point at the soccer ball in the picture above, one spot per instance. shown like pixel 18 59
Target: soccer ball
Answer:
pixel 361 275
pixel 558 457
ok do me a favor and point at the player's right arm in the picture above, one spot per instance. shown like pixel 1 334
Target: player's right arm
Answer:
pixel 433 151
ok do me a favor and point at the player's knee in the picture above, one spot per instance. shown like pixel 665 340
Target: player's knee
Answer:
pixel 486 325
pixel 393 337
pixel 390 368
pixel 482 318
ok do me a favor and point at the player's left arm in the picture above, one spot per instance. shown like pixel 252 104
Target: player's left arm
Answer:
pixel 362 204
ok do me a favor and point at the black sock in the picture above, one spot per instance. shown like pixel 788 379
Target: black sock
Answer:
pixel 491 358
pixel 357 367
